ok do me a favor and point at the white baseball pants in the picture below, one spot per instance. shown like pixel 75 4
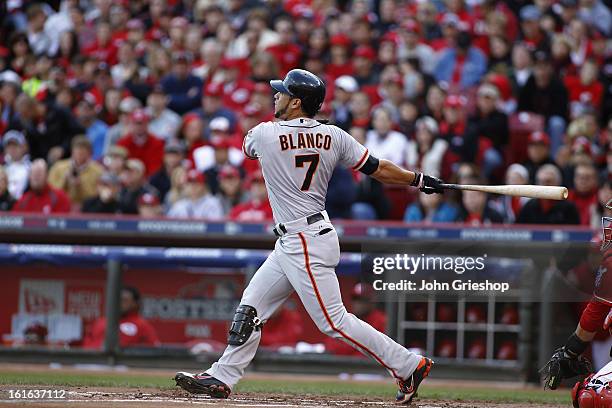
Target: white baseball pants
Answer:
pixel 304 260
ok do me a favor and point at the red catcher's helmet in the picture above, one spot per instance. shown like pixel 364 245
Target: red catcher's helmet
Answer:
pixel 606 225
pixel 587 397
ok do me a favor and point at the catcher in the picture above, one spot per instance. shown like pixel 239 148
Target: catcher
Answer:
pixel 567 361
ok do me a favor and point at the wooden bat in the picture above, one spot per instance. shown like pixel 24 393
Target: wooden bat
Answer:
pixel 527 190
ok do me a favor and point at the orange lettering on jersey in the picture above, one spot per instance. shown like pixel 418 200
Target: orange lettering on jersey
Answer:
pixel 291 145
pixel 283 142
pixel 319 143
pixel 310 142
pixel 327 142
pixel 301 142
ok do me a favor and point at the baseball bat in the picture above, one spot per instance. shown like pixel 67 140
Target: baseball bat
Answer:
pixel 527 190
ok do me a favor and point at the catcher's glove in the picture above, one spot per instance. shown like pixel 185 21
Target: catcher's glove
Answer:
pixel 561 366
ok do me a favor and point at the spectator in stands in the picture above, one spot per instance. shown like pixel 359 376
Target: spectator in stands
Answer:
pixel 344 88
pixel 6 199
pixel 178 180
pixel 360 109
pixel 149 206
pixel 461 65
pixel 545 94
pixel 364 57
pixel 174 156
pixel 192 135
pixel 286 52
pixel 384 142
pixel 434 102
pixel 107 199
pixel 41 42
pixel 77 176
pixel 41 197
pixel 141 144
pixel 198 202
pixel 596 14
pixel 212 107
pixel 230 191
pixel 431 208
pixel 10 87
pixel 426 152
pixel 114 160
pixel 135 184
pixel 488 129
pixel 95 129
pixel 476 209
pixel 509 206
pixel 341 193
pixel 47 127
pixel 412 46
pixel 164 123
pixel 537 211
pixel 184 89
pixel 452 129
pixel 16 162
pixel 584 193
pixel 283 328
pixel 532 33
pixel 215 157
pixel 363 305
pixel 257 208
pixel 120 129
pixel 522 66
pixel 538 153
pixel 133 329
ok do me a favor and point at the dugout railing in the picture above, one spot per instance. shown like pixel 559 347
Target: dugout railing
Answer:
pixel 100 240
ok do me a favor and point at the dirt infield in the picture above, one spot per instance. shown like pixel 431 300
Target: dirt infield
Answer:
pixel 90 397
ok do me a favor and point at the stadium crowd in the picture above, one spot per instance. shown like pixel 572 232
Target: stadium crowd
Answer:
pixel 140 106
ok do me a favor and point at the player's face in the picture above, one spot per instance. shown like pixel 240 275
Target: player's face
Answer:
pixel 281 104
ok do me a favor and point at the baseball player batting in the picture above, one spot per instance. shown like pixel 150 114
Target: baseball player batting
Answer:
pixel 298 155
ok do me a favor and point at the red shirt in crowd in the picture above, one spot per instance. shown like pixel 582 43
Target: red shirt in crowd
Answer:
pixel 252 211
pixel 282 329
pixel 585 203
pixel 133 331
pixel 151 152
pixel 578 92
pixel 376 318
pixel 287 55
pixel 47 201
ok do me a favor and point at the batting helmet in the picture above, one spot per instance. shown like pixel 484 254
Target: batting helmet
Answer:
pixel 305 86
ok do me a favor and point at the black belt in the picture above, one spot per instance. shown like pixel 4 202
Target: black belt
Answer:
pixel 311 219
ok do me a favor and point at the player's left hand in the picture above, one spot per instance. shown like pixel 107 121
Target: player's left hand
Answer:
pixel 431 185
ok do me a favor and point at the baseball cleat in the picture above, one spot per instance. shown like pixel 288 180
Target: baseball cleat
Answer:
pixel 408 387
pixel 202 384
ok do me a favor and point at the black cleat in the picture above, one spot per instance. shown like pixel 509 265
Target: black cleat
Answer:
pixel 202 384
pixel 408 387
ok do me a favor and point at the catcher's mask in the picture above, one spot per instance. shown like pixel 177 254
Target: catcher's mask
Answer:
pixel 606 225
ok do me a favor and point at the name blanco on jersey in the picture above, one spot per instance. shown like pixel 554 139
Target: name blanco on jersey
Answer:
pixel 305 141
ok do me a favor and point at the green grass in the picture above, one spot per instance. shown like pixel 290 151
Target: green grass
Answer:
pixel 289 386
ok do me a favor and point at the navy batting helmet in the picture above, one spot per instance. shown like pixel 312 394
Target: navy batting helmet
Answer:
pixel 304 86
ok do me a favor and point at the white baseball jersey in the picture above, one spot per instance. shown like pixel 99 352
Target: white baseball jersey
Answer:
pixel 297 159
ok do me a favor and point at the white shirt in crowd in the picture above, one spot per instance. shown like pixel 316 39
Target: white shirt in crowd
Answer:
pixel 166 126
pixel 391 147
pixel 208 207
pixel 431 162
pixel 204 157
pixel 18 173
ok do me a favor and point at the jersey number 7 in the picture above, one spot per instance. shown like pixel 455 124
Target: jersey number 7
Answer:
pixel 313 159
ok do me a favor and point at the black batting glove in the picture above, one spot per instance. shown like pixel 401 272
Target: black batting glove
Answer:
pixel 427 184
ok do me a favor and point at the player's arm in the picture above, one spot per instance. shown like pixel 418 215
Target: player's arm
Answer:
pixel 388 172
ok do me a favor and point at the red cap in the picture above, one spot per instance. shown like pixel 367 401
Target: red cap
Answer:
pixel 454 101
pixel 411 26
pixel 190 117
pixel 213 89
pixel 221 143
pixel 340 39
pixel 582 145
pixel 539 137
pixel 194 176
pixel 365 51
pixel 256 176
pixel 139 115
pixel 228 171
pixel 391 37
pixel 148 199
